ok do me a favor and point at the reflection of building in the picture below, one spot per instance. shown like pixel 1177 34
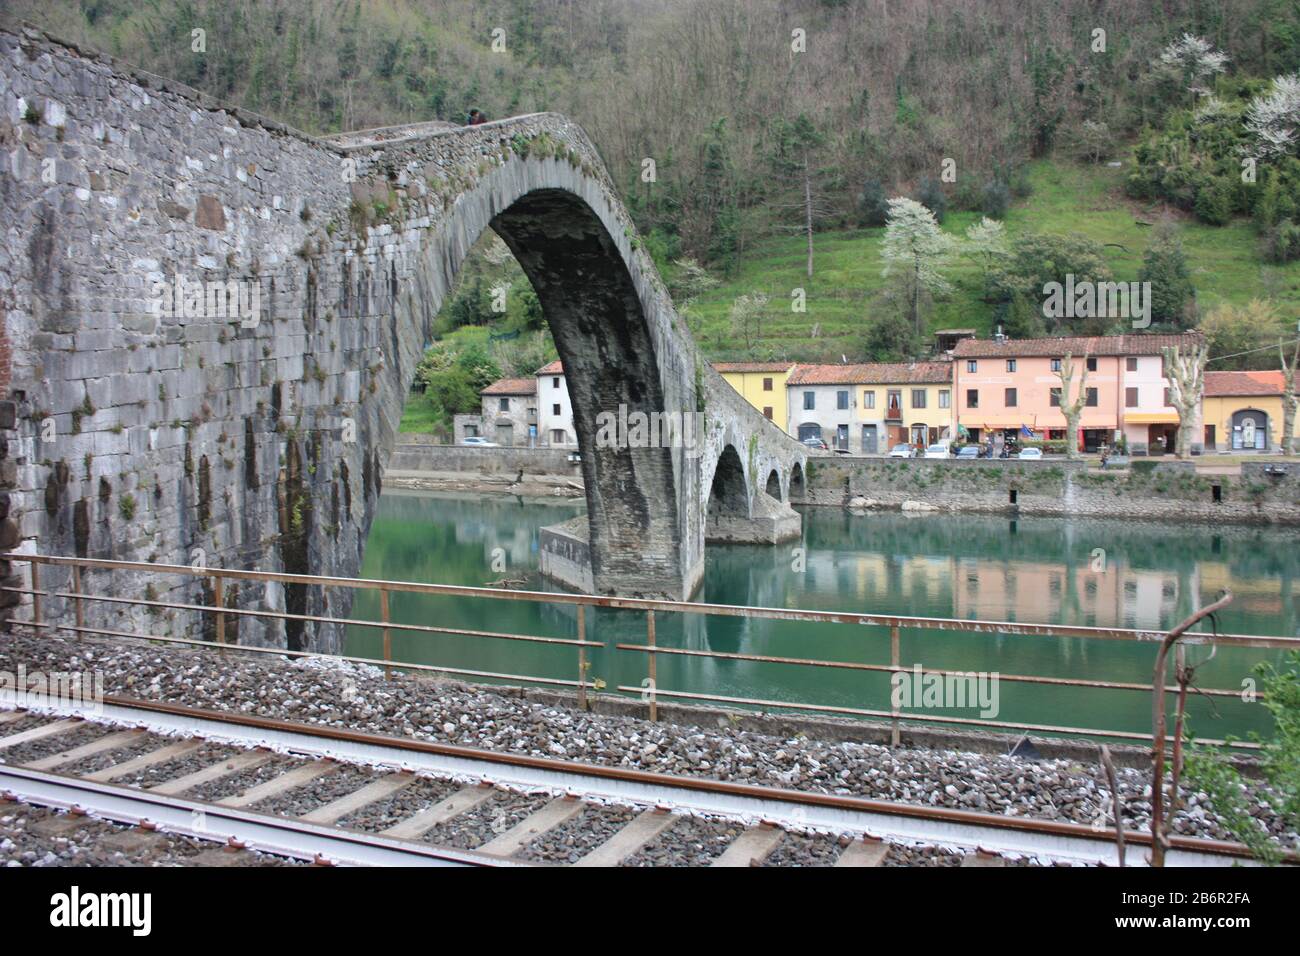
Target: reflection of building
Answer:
pixel 868 409
pixel 1242 411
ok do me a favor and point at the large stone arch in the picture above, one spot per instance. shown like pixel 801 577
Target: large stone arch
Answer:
pixel 263 445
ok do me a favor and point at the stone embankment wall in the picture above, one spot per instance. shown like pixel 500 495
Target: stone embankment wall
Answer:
pixel 1264 493
pixel 413 455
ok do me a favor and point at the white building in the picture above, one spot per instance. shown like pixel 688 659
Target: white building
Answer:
pixel 554 410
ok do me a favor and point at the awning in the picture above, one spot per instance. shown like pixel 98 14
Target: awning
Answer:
pixel 1151 418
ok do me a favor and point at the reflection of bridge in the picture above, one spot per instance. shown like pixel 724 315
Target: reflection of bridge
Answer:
pixel 260 440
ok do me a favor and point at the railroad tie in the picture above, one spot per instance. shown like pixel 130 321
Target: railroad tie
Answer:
pixel 107 742
pixel 863 853
pixel 531 827
pixel 153 757
pixel 36 733
pixel 222 768
pixel 412 828
pixel 981 858
pixel 371 792
pixel 751 848
pixel 8 716
pixel 630 839
pixel 289 780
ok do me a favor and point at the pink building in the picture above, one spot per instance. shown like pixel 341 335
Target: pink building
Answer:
pixel 1002 386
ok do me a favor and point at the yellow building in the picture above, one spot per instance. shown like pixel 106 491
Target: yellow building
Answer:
pixel 868 409
pixel 1242 411
pixel 762 384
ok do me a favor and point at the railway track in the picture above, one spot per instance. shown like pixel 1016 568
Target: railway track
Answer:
pixel 328 795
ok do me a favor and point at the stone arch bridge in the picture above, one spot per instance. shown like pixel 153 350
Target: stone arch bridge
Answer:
pixel 211 323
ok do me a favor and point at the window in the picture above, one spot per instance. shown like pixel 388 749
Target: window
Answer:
pixel 555 382
pixel 471 431
pixel 972 365
pixel 1011 365
pixel 1056 398
pixel 1092 363
pixel 555 410
pixel 1056 365
pixel 1131 363
pixel 1011 398
pixel 1091 400
pixel 841 399
pixel 895 398
pixel 945 400
pixel 868 399
pixel 503 405
pixel 809 400
pixel 1130 398
pixel 767 412
pixel 767 385
pixel 918 398
pixel 972 398
pixel 557 436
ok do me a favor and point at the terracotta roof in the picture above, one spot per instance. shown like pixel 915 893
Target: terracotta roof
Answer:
pixel 1243 383
pixel 512 386
pixel 752 366
pixel 872 373
pixel 1134 344
pixel 553 368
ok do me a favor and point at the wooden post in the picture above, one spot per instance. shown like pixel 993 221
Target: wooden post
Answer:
pixel 388 635
pixel 36 595
pixel 219 599
pixel 582 657
pixel 894 661
pixel 653 664
pixel 76 587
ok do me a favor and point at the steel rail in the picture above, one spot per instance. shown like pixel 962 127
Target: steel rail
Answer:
pixel 285 836
pixel 977 626
pixel 797 808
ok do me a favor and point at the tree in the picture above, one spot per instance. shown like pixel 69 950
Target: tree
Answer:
pixel 995 199
pixel 746 317
pixel 873 204
pixel 891 338
pixel 1038 259
pixel 1193 60
pixel 1090 141
pixel 916 248
pixel 1241 336
pixel 791 160
pixel 930 194
pixel 1273 119
pixel 1185 370
pixel 1289 399
pixel 1165 267
pixel 986 243
pixel 1072 409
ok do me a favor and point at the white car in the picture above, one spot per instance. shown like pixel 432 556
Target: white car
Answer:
pixel 480 441
pixel 937 450
pixel 1030 454
pixel 901 451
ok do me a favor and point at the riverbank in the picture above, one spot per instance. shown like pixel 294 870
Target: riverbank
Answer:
pixel 340 694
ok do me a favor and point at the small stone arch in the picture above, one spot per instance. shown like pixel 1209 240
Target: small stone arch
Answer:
pixel 773 488
pixel 728 496
pixel 797 489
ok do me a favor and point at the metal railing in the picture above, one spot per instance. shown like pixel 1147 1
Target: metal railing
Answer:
pixel 650 692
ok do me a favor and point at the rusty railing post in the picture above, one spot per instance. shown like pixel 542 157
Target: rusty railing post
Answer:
pixel 653 664
pixel 219 599
pixel 388 635
pixel 1159 838
pixel 894 736
pixel 77 602
pixel 36 596
pixel 582 657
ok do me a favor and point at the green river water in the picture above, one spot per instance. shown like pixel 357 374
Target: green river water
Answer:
pixel 1040 570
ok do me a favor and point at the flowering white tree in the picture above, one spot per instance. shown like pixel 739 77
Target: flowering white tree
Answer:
pixel 1273 119
pixel 986 243
pixel 1195 60
pixel 916 248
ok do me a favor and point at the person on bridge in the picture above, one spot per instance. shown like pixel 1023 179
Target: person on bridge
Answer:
pixel 475 118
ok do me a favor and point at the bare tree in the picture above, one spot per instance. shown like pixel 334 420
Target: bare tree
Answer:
pixel 1185 370
pixel 1289 400
pixel 1072 410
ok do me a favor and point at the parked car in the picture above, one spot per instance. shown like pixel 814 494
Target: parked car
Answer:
pixel 969 451
pixel 480 441
pixel 1030 454
pixel 902 451
pixel 812 441
pixel 937 450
